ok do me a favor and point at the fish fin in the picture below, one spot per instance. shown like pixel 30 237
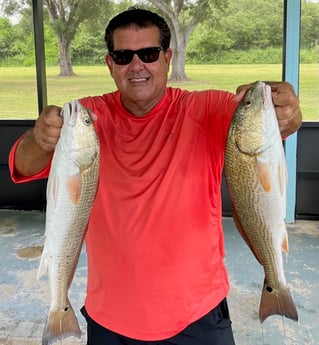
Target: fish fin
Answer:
pixel 263 174
pixel 243 234
pixel 74 186
pixel 277 302
pixel 61 324
pixel 282 179
pixel 285 245
pixel 43 266
pixel 53 190
pixel 283 182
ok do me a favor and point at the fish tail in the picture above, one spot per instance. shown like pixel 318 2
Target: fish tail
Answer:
pixel 278 302
pixel 59 325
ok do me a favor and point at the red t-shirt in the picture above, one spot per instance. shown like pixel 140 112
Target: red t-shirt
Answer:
pixel 154 242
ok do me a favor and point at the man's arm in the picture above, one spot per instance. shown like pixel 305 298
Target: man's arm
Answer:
pixel 286 104
pixel 35 149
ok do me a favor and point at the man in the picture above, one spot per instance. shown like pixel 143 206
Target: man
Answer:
pixel 154 242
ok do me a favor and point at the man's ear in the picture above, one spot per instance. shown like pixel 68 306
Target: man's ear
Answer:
pixel 109 61
pixel 168 56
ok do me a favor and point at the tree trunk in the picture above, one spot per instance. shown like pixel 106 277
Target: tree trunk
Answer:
pixel 66 69
pixel 179 55
pixel 178 64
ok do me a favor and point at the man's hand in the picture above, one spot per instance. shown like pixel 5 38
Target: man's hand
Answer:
pixel 35 149
pixel 47 128
pixel 286 104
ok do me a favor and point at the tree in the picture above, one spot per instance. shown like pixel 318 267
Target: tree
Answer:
pixel 7 35
pixel 88 46
pixel 254 24
pixel 66 17
pixel 309 24
pixel 247 25
pixel 16 43
pixel 182 18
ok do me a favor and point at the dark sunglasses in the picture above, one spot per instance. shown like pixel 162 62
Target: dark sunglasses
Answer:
pixel 125 56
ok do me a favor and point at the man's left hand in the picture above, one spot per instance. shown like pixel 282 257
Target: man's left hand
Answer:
pixel 286 104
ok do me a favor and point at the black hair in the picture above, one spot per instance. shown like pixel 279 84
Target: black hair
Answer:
pixel 141 18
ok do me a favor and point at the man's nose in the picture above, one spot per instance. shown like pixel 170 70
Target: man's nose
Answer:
pixel 136 61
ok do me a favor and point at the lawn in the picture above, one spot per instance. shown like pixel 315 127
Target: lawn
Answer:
pixel 18 93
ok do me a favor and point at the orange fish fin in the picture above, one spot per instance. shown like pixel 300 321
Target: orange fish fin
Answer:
pixel 277 302
pixel 74 186
pixel 285 245
pixel 61 324
pixel 263 174
pixel 243 234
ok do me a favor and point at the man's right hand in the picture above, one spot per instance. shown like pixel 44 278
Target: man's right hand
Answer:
pixel 47 128
pixel 35 149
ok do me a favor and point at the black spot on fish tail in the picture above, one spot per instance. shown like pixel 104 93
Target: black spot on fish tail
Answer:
pixel 269 289
pixel 277 302
pixel 60 324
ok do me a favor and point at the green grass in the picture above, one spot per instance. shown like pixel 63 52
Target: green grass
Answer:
pixel 18 94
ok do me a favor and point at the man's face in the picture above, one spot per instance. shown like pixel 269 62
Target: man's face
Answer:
pixel 142 85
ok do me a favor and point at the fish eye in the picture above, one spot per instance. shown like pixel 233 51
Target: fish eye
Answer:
pixel 247 103
pixel 87 120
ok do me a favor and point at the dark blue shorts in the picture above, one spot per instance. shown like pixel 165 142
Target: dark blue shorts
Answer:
pixel 212 329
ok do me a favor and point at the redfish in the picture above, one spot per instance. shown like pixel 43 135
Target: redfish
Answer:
pixel 256 176
pixel 71 190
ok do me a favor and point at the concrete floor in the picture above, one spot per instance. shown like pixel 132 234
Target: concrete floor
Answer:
pixel 24 301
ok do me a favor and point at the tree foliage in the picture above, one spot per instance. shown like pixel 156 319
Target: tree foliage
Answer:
pixel 310 25
pixel 201 30
pixel 65 17
pixel 247 25
pixel 8 34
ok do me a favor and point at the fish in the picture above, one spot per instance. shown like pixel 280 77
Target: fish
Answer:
pixel 256 178
pixel 71 189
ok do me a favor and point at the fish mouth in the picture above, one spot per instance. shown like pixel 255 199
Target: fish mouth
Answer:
pixel 70 111
pixel 266 96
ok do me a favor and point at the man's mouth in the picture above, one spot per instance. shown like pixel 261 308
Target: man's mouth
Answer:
pixel 139 80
